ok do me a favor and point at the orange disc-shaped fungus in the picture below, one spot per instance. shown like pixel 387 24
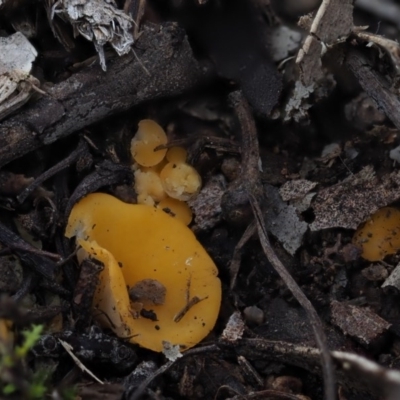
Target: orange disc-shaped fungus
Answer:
pixel 147 138
pixel 180 181
pixel 158 283
pixel 379 235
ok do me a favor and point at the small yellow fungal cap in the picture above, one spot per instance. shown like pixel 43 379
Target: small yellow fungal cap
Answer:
pixel 147 138
pixel 145 250
pixel 145 199
pixel 177 209
pixel 148 184
pixel 180 181
pixel 379 235
pixel 176 155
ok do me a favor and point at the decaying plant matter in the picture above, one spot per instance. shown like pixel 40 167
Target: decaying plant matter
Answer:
pixel 99 21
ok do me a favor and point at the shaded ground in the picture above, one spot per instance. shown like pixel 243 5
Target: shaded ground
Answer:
pixel 327 159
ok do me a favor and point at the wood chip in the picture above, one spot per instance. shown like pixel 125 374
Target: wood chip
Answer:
pixel 358 322
pixel 352 201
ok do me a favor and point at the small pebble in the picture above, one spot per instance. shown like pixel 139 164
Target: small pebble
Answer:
pixel 254 315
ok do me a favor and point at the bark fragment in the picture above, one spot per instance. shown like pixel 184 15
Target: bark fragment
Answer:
pixel 360 323
pixel 92 95
pixel 350 202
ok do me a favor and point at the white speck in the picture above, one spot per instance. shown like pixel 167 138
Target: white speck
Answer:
pixel 189 261
pixel 172 352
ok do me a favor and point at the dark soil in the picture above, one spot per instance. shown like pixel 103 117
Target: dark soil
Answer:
pixel 207 73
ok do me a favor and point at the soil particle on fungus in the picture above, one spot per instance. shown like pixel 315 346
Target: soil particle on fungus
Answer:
pixel 148 290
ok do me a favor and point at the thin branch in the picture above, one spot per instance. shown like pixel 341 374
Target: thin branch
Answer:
pixel 327 365
pixel 252 184
pixel 63 164
pixel 237 253
pixel 68 348
pixel 142 387
pixel 374 85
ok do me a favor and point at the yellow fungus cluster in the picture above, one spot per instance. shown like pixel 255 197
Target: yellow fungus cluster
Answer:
pixel 162 177
pixel 379 236
pixel 147 138
pixel 158 286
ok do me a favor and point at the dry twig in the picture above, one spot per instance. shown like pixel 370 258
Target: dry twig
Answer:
pixel 142 387
pixel 374 85
pixel 252 185
pixel 68 348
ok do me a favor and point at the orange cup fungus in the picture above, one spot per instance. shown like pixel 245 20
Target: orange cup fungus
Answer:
pixel 163 177
pixel 379 235
pixel 177 208
pixel 158 284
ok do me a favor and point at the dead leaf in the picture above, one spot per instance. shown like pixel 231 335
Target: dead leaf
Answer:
pixel 99 21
